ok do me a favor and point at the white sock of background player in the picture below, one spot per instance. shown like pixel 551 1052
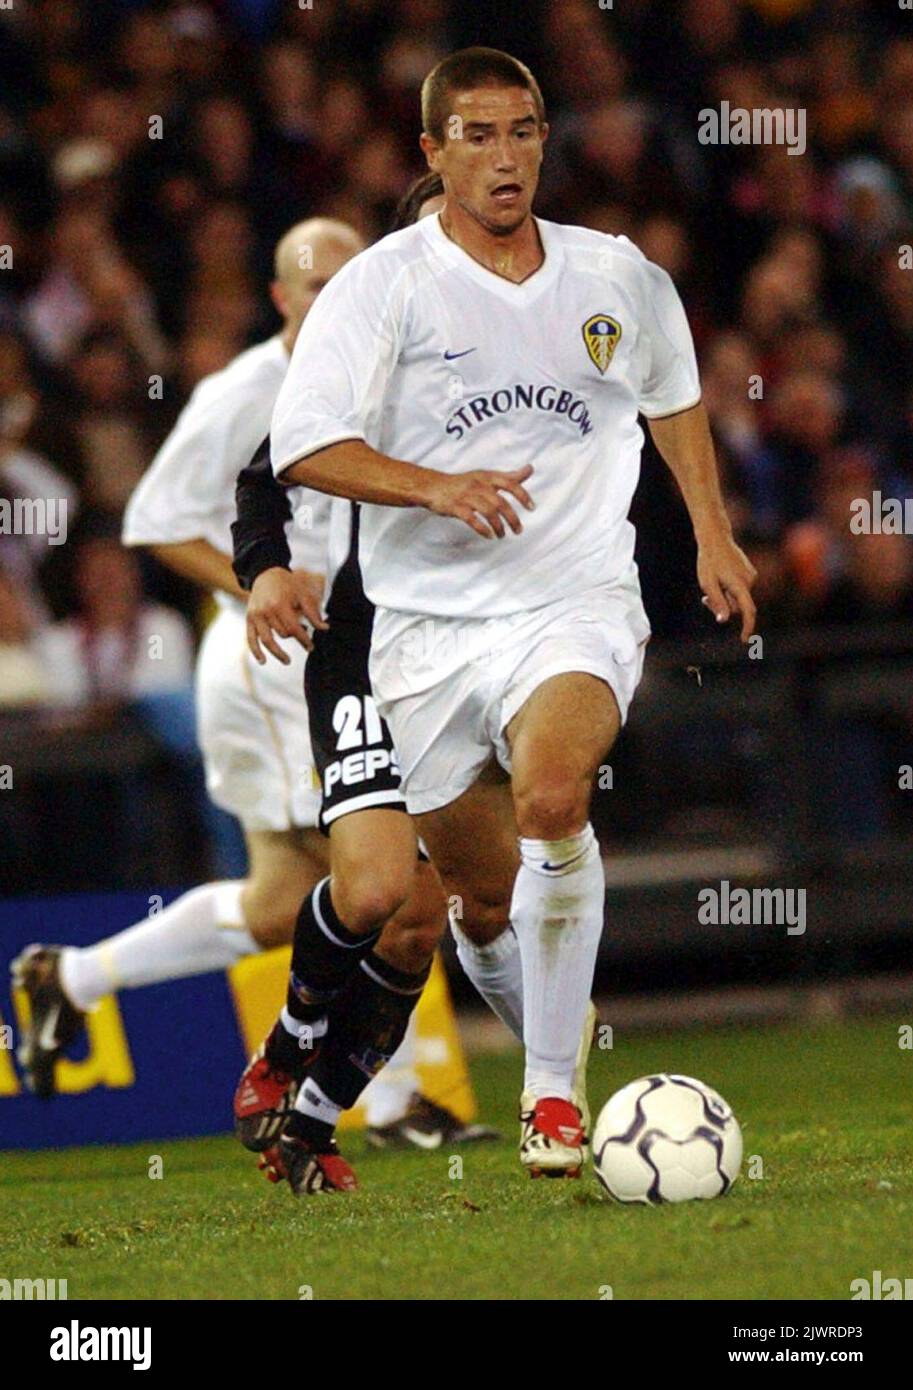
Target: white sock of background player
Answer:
pixel 387 1098
pixel 496 972
pixel 557 913
pixel 202 930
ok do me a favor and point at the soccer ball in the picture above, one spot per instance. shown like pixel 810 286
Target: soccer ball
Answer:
pixel 666 1138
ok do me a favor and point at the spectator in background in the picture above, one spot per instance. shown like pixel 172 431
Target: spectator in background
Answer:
pixel 201 45
pixel 730 384
pixel 89 284
pixel 23 267
pixel 23 680
pixel 60 309
pixel 805 419
pixel 221 288
pixel 377 173
pixel 843 107
pixel 117 648
pixel 37 503
pixel 420 41
pixel 299 166
pixel 120 654
pixel 108 418
pixel 870 211
pixel 876 583
pixel 775 298
pixel 223 148
pixel 146 58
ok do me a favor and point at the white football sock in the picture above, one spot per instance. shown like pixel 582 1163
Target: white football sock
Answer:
pixel 496 972
pixel 202 930
pixel 387 1098
pixel 557 913
pixel 316 1028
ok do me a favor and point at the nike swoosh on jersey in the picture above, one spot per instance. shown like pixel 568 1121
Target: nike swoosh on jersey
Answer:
pixel 450 356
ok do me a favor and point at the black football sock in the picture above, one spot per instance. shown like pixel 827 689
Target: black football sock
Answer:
pixel 367 1024
pixel 287 1051
pixel 324 956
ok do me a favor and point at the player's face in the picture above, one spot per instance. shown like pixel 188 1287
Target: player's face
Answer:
pixel 491 155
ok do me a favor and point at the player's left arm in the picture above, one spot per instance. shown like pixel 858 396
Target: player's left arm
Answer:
pixel 670 398
pixel 280 597
pixel 724 572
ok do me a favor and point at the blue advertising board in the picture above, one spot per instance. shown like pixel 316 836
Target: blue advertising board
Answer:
pixel 161 1062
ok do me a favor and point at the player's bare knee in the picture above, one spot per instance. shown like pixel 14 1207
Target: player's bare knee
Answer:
pixel 421 921
pixel 552 809
pixel 366 900
pixel 409 944
pixel 405 950
pixel 269 922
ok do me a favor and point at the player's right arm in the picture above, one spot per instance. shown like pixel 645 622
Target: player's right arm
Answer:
pixel 332 399
pixel 354 470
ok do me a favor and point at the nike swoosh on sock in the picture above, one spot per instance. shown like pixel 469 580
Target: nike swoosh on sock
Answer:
pixel 556 868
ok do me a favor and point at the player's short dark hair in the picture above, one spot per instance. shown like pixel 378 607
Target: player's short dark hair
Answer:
pixel 410 204
pixel 472 67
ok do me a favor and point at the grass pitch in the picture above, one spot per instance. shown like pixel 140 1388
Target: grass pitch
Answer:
pixel 827 1109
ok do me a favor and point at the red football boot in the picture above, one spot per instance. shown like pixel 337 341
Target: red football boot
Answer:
pixel 551 1137
pixel 306 1168
pixel 265 1095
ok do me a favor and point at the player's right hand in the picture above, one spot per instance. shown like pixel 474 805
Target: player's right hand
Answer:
pixel 478 498
pixel 280 602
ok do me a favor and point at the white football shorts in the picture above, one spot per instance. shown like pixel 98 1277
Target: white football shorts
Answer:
pixel 252 726
pixel 448 687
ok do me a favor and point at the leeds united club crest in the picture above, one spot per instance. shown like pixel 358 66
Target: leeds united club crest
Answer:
pixel 602 334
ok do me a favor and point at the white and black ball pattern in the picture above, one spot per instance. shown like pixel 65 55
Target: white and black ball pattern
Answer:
pixel 666 1138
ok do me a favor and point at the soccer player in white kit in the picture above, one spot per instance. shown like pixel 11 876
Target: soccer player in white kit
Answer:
pixel 482 366
pixel 251 720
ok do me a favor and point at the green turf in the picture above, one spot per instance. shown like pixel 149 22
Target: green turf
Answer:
pixel 828 1110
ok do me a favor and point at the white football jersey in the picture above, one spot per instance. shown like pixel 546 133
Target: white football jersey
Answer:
pixel 188 491
pixel 420 351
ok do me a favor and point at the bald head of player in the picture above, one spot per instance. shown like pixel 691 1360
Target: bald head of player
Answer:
pixel 307 257
pixel 483 132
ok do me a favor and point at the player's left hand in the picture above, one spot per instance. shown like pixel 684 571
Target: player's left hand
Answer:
pixel 726 576
pixel 281 602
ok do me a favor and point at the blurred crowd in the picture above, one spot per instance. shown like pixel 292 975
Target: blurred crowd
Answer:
pixel 152 152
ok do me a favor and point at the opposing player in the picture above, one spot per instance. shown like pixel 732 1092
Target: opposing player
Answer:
pixel 477 368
